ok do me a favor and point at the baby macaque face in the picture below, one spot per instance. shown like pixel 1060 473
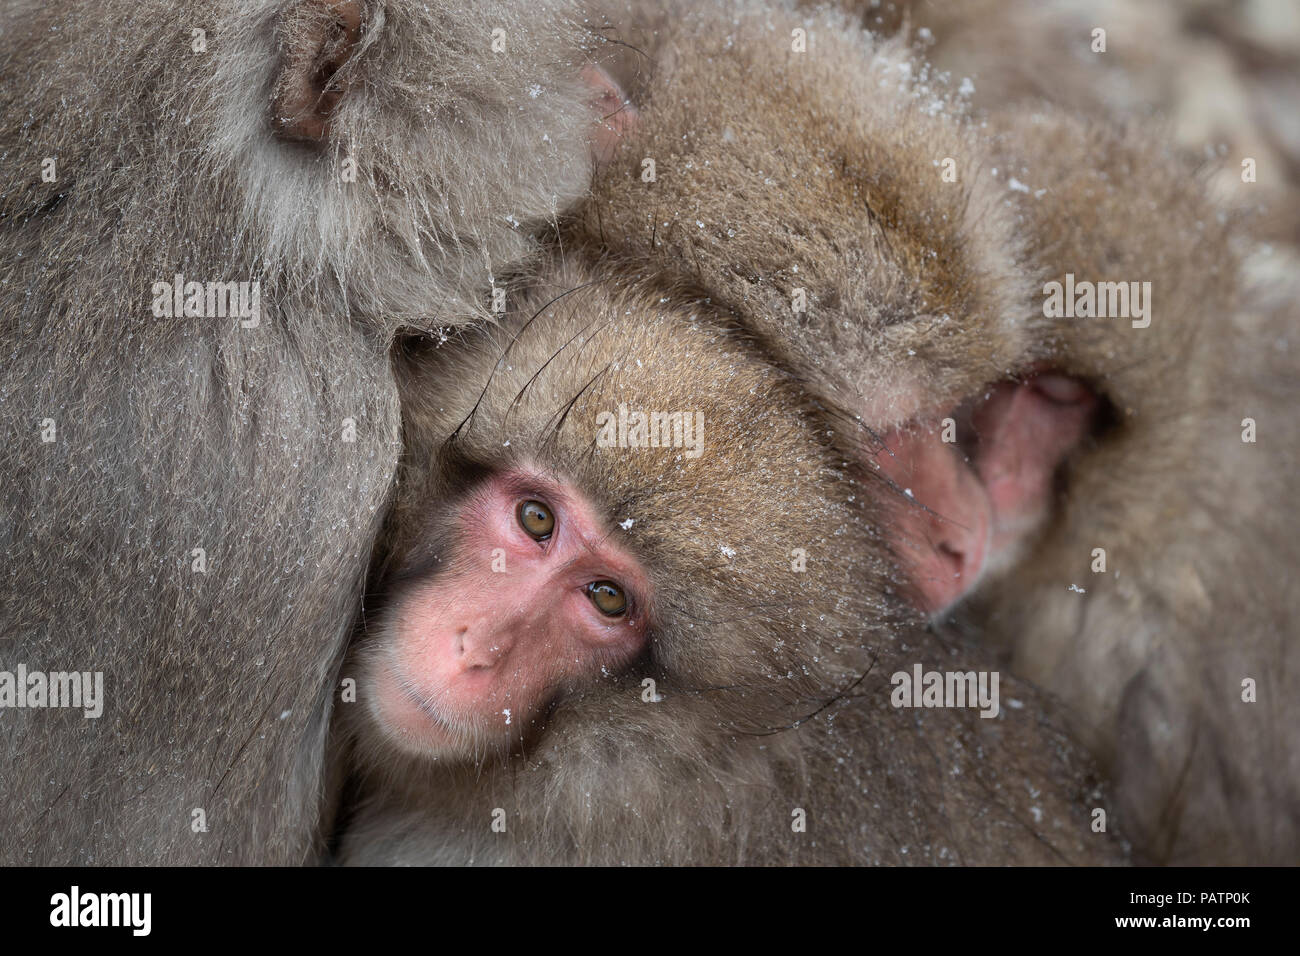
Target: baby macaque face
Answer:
pixel 536 597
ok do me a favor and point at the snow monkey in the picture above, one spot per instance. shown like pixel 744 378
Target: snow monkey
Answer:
pixel 593 641
pixel 200 474
pixel 1092 482
pixel 213 217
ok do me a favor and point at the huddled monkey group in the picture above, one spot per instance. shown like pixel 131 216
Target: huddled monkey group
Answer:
pixel 637 392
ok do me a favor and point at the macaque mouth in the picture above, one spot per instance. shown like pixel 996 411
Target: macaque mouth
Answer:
pixel 975 483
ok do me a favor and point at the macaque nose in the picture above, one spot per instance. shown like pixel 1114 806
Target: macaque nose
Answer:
pixel 480 647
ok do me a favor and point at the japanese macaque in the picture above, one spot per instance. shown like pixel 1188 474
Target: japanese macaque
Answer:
pixel 1087 485
pixel 214 216
pixel 632 609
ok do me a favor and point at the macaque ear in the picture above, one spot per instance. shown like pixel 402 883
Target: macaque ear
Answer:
pixel 615 116
pixel 318 37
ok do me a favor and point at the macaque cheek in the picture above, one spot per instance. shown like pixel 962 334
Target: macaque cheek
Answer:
pixel 396 706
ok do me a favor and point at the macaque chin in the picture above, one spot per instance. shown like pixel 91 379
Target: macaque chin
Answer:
pixel 979 480
pixel 536 596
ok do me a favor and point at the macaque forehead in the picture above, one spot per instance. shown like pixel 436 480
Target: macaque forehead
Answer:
pixel 639 402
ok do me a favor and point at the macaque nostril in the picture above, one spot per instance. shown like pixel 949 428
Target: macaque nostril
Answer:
pixel 478 651
pixel 954 561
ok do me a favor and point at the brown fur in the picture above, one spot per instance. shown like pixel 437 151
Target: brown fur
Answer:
pixel 824 177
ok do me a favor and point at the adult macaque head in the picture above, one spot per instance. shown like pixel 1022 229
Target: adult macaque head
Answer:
pixel 816 209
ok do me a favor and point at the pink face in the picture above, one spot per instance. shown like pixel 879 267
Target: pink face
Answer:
pixel 970 503
pixel 537 596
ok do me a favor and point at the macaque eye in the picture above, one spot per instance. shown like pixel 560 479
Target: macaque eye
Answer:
pixel 608 598
pixel 536 519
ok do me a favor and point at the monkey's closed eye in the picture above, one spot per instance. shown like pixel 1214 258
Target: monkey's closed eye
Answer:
pixel 536 519
pixel 608 598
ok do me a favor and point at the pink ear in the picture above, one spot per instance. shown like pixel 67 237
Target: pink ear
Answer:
pixel 616 117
